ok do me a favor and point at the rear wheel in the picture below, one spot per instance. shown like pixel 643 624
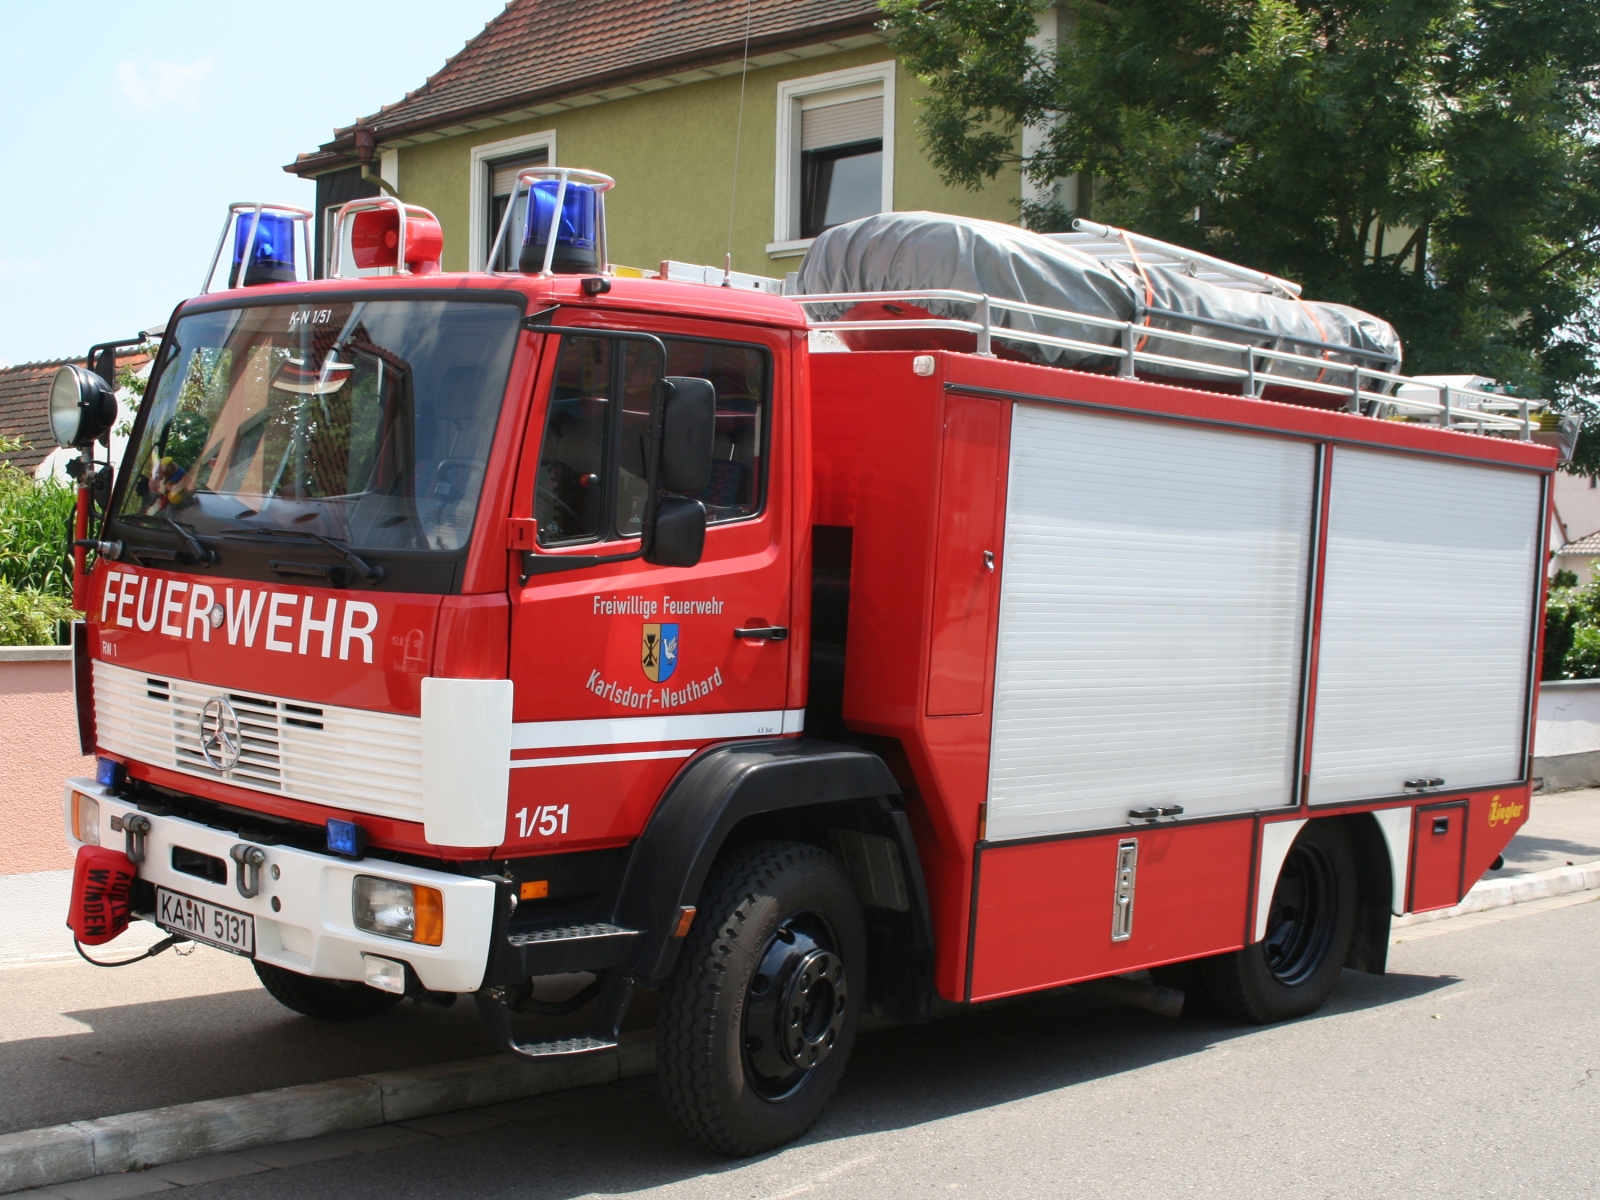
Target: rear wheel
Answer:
pixel 325 999
pixel 1292 970
pixel 759 1015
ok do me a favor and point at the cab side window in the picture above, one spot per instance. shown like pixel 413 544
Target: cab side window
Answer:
pixel 739 373
pixel 592 461
pixel 570 499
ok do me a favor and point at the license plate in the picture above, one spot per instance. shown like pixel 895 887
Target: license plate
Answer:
pixel 209 923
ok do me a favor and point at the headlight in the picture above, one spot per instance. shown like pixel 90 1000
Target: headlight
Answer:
pixel 86 819
pixel 390 908
pixel 82 406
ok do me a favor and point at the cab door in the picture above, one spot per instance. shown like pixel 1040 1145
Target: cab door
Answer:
pixel 623 670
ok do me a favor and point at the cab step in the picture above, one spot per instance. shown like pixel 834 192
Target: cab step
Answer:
pixel 495 1011
pixel 567 949
pixel 557 1047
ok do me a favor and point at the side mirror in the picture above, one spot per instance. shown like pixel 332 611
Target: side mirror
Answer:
pixel 688 428
pixel 679 537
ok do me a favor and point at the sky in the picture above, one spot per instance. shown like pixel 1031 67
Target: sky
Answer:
pixel 128 127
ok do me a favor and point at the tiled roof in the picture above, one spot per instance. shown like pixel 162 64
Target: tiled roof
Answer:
pixel 23 393
pixel 24 411
pixel 1584 545
pixel 540 50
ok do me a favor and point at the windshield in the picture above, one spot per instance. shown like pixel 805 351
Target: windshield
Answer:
pixel 368 421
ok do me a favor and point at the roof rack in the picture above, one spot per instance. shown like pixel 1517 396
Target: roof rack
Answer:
pixel 1371 390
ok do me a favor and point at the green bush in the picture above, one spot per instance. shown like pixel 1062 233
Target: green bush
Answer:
pixel 1572 629
pixel 35 563
pixel 31 618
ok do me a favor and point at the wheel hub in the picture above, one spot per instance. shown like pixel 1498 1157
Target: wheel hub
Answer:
pixel 794 1007
pixel 1300 923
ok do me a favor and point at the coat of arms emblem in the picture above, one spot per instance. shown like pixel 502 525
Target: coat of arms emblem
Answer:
pixel 660 652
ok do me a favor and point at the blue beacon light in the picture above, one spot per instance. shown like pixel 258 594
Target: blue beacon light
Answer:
pixel 346 838
pixel 272 257
pixel 577 236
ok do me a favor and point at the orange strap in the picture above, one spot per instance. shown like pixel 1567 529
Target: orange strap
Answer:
pixel 1321 333
pixel 1149 292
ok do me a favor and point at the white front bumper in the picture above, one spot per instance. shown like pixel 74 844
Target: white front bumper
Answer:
pixel 313 931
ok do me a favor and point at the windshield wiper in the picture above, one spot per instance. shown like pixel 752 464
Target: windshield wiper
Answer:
pixel 371 572
pixel 194 553
pixel 201 553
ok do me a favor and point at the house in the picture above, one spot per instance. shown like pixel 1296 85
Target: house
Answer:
pixel 655 93
pixel 1575 525
pixel 25 412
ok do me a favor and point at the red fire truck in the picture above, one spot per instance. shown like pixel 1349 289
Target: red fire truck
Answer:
pixel 448 632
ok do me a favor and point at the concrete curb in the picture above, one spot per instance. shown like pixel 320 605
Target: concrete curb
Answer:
pixel 1518 889
pixel 11 654
pixel 133 1141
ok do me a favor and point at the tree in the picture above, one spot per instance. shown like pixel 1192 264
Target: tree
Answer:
pixel 1433 161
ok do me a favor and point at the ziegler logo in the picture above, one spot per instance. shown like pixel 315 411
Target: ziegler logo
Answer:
pixel 1503 814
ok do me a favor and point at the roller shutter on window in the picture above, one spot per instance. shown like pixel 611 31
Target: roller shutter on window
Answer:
pixel 841 124
pixel 503 175
pixel 1151 621
pixel 1426 624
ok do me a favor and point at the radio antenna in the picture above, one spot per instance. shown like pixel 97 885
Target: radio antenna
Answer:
pixel 738 134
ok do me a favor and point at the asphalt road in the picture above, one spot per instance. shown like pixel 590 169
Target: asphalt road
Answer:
pixel 1471 1070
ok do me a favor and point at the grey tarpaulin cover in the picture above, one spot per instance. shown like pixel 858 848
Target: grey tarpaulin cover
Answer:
pixel 907 251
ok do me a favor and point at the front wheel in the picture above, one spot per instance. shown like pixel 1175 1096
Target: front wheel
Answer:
pixel 759 1015
pixel 325 999
pixel 1292 970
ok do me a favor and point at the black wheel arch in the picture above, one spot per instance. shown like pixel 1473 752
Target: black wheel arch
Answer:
pixel 803 789
pixel 1369 945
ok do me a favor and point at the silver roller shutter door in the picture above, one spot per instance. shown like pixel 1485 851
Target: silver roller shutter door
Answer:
pixel 1151 621
pixel 1426 637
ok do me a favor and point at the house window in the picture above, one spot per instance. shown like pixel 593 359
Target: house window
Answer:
pixel 835 153
pixel 502 183
pixel 493 178
pixel 841 162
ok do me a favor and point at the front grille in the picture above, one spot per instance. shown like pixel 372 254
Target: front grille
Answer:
pixel 351 758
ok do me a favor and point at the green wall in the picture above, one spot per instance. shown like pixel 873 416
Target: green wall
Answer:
pixel 671 153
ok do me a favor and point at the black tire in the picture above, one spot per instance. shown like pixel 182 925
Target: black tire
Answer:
pixel 1291 971
pixel 324 999
pixel 757 1020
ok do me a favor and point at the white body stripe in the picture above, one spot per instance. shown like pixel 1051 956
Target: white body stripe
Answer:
pixel 577 759
pixel 624 731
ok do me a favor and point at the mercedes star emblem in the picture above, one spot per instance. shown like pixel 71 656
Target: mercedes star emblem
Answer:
pixel 220 739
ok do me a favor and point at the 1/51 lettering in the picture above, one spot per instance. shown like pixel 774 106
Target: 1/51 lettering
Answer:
pixel 547 820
